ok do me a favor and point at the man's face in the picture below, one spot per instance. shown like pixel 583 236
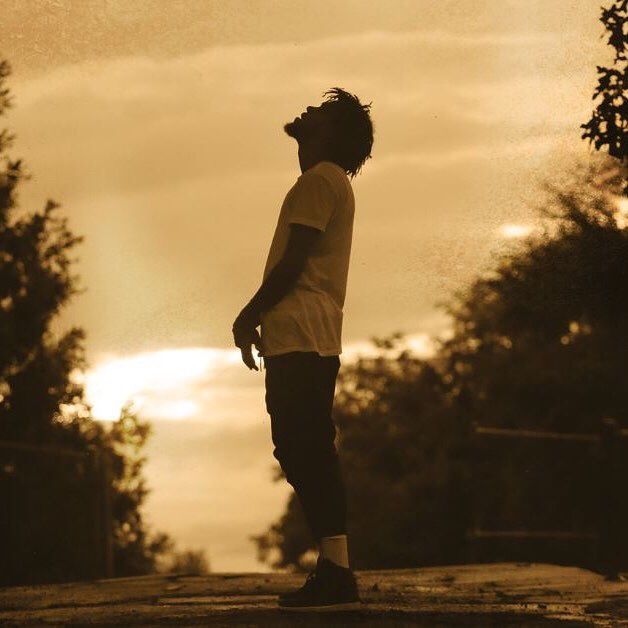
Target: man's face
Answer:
pixel 314 122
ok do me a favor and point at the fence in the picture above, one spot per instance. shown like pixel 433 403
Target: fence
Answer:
pixel 556 497
pixel 55 514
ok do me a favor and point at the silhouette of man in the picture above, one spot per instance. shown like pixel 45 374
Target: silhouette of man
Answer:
pixel 300 310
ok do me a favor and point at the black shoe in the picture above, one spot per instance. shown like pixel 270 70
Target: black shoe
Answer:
pixel 329 587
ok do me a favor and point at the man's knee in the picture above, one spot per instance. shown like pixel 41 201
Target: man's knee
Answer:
pixel 289 464
pixel 301 458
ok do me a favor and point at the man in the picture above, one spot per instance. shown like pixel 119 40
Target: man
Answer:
pixel 299 307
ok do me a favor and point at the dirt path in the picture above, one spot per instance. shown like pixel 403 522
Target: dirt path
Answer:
pixel 503 594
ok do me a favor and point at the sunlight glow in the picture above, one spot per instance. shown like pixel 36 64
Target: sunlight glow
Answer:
pixel 159 383
pixel 421 345
pixel 512 231
pixel 621 215
pixel 203 384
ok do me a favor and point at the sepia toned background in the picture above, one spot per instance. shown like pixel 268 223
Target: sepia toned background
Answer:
pixel 158 126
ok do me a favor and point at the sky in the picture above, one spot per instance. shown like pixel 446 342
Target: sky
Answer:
pixel 158 127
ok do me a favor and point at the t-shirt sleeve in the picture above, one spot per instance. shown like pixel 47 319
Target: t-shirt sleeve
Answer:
pixel 313 202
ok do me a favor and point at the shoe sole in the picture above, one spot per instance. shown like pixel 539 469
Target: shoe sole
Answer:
pixel 345 606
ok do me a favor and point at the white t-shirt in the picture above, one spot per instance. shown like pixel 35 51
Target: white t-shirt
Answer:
pixel 309 317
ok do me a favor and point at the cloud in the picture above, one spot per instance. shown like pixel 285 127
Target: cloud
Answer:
pixel 200 384
pixel 174 169
pixel 138 121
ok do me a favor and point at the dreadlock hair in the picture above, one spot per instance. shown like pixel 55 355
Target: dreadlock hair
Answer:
pixel 352 139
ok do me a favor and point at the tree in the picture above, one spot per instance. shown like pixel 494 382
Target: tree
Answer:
pixel 540 340
pixel 136 550
pixel 41 397
pixel 189 562
pixel 608 125
pixel 35 282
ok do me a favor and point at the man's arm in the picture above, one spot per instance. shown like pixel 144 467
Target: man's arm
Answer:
pixel 282 277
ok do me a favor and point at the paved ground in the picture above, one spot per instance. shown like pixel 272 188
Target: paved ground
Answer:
pixel 505 594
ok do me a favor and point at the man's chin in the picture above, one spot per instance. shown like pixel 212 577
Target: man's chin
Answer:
pixel 292 130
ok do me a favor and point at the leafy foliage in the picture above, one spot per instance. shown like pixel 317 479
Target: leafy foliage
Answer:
pixel 539 341
pixel 189 562
pixel 608 125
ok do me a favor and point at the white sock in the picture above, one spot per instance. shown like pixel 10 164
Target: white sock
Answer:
pixel 334 548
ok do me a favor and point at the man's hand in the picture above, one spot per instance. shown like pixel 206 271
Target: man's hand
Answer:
pixel 247 355
pixel 244 336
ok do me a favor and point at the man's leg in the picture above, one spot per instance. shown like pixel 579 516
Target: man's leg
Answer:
pixel 299 397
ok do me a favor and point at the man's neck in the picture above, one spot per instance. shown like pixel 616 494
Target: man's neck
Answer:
pixel 309 156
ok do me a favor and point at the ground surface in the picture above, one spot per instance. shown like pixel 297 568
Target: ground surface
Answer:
pixel 505 594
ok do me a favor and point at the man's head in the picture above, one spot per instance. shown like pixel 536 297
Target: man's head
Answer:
pixel 340 127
